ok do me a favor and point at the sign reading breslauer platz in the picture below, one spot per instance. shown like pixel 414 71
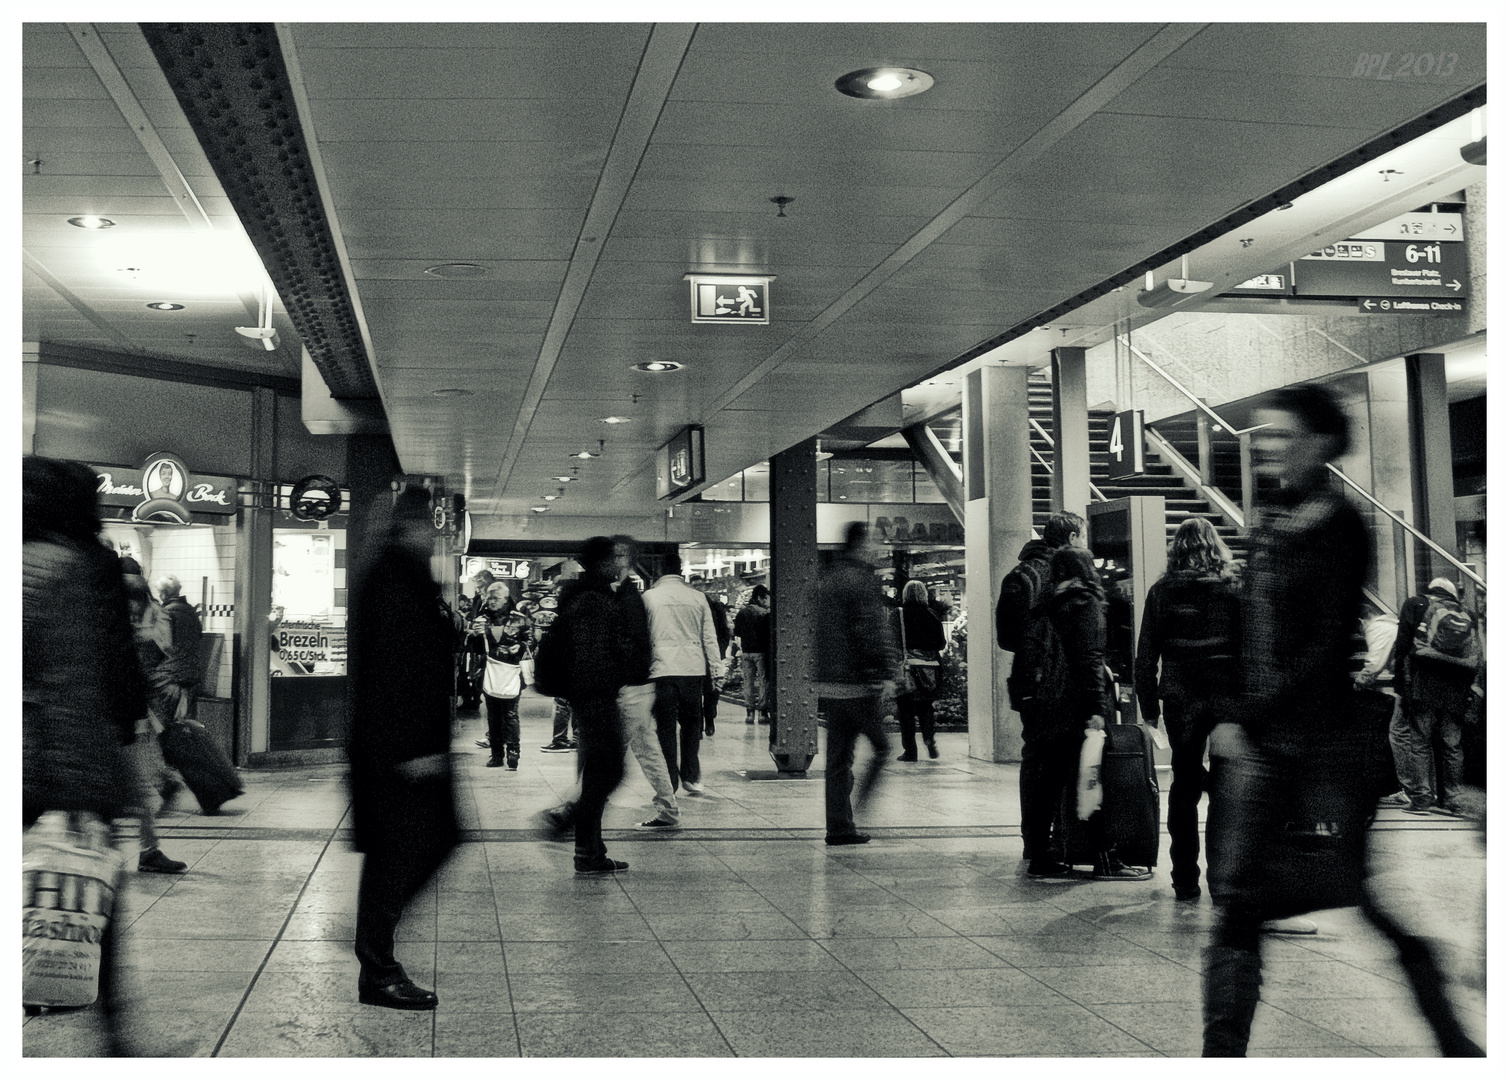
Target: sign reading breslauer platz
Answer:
pixel 163 489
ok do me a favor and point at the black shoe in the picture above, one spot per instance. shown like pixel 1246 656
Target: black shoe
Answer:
pixel 658 825
pixel 1050 871
pixel 494 762
pixel 484 744
pixel 556 823
pixel 513 759
pixel 1186 892
pixel 910 755
pixel 932 750
pixel 399 995
pixel 556 748
pixel 1109 868
pixel 844 839
pixel 749 719
pixel 156 862
pixel 709 731
pixel 598 867
pixel 169 790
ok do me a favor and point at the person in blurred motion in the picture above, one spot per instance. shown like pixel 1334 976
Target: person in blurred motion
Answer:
pixel 505 638
pixel 81 688
pixel 153 636
pixel 1189 626
pixel 183 664
pixel 1435 684
pixel 402 804
pixel 1301 592
pixel 609 636
pixel 684 652
pixel 712 687
pixel 854 665
pixel 922 637
pixel 1379 631
pixel 1066 685
pixel 752 629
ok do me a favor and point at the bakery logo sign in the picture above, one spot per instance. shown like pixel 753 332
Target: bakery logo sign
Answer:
pixel 164 490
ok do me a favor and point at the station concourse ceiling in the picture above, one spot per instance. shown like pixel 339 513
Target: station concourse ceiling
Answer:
pixel 586 168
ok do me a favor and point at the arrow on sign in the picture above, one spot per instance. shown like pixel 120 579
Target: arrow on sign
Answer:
pixel 1450 228
pixel 1455 285
pixel 1367 305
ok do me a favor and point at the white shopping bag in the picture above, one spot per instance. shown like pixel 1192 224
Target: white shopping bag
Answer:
pixel 69 877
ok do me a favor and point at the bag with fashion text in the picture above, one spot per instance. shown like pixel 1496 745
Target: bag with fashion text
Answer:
pixel 70 875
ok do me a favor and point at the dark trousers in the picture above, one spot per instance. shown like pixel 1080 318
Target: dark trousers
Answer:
pixel 390 878
pixel 502 724
pixel 1432 727
pixel 912 711
pixel 601 756
pixel 848 719
pixel 1050 765
pixel 678 722
pixel 710 696
pixel 563 723
pixel 1188 729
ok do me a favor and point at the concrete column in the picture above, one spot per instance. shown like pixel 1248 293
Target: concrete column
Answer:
pixel 997 523
pixel 1430 458
pixel 1390 479
pixel 793 590
pixel 1071 431
pixel 29 351
pixel 254 579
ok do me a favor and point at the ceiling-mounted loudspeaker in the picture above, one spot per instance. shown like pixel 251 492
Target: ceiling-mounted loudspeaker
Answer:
pixel 1476 153
pixel 1174 289
pixel 259 337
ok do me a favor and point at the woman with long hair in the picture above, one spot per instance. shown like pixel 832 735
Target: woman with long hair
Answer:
pixel 1189 626
pixel 922 634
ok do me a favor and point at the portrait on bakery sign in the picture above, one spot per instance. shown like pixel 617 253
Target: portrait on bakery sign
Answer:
pixel 164 490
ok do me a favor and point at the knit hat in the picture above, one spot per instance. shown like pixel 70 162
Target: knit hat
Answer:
pixel 1442 584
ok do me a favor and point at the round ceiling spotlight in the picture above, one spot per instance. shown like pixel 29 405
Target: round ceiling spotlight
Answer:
pixel 452 392
pixel 565 479
pixel 91 221
pixel 456 271
pixel 163 305
pixel 884 82
pixel 658 367
pixel 615 419
pixel 539 509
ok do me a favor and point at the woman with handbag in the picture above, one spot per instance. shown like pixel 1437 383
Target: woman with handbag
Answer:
pixel 505 638
pixel 922 645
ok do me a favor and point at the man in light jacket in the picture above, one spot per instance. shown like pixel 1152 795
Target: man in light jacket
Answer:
pixel 684 647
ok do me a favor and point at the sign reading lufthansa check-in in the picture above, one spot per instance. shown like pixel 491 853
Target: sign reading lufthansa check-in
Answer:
pixel 728 298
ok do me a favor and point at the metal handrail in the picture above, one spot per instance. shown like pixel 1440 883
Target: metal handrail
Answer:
pixel 1127 341
pixel 1101 495
pixel 1416 533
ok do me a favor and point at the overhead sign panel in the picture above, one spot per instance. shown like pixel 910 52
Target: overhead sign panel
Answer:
pixel 1126 445
pixel 1384 305
pixel 721 298
pixel 1383 268
pixel 680 463
pixel 1416 227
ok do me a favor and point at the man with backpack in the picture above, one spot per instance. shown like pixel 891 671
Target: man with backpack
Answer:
pixel 1436 659
pixel 1021 589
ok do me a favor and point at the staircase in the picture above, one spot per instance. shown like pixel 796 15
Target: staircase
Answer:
pixel 1180 499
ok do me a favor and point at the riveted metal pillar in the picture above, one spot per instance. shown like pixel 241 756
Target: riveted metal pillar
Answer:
pixel 1071 431
pixel 997 523
pixel 1430 454
pixel 793 590
pixel 254 579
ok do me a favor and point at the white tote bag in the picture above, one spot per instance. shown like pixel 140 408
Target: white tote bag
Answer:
pixel 502 680
pixel 69 876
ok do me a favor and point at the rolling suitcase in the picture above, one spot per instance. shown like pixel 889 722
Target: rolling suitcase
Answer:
pixel 187 747
pixel 1129 803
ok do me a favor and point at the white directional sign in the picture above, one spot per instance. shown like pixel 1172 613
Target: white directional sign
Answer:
pixel 720 298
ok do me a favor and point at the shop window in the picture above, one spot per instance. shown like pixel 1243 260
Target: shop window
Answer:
pixel 308 620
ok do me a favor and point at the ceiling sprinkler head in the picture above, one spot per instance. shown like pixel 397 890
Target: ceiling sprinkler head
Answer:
pixel 782 201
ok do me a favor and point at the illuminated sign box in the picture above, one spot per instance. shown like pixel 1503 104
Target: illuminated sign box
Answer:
pixel 680 464
pixel 726 298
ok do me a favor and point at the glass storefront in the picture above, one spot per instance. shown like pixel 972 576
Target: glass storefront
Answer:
pixel 307 635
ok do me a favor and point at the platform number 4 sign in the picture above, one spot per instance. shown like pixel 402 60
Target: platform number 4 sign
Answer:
pixel 1126 456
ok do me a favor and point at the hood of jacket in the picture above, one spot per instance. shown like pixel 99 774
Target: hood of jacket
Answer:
pixel 1034 549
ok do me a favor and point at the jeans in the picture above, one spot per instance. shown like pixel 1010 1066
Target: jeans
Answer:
pixel 756 683
pixel 710 696
pixel 562 723
pixel 912 711
pixel 848 719
pixel 678 705
pixel 635 704
pixel 148 769
pixel 1401 741
pixel 1432 727
pixel 602 760
pixel 502 724
pixel 1188 729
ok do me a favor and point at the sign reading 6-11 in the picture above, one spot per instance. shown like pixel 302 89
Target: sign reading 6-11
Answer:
pixel 1126 455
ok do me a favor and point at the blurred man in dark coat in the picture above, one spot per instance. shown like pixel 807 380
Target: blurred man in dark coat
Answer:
pixel 399 746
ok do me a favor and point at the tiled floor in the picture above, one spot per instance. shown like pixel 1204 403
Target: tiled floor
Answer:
pixel 742 934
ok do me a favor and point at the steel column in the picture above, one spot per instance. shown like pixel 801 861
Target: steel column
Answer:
pixel 793 590
pixel 1071 431
pixel 254 579
pixel 1430 460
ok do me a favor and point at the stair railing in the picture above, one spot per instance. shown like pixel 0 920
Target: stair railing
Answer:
pixel 1100 496
pixel 1177 385
pixel 1465 570
pixel 1211 494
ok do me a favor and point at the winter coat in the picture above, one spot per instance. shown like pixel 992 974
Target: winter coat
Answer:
pixel 1439 684
pixel 1190 625
pixel 852 637
pixel 400 706
pixel 752 628
pixel 1079 619
pixel 720 623
pixel 81 688
pixel 924 633
pixel 1021 589
pixel 609 632
pixel 183 661
pixel 683 640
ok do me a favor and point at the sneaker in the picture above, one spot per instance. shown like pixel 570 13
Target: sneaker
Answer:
pixel 658 825
pixel 1050 871
pixel 156 862
pixel 1398 798
pixel 932 750
pixel 691 787
pixel 1449 810
pixel 909 755
pixel 557 823
pixel 749 719
pixel 844 839
pixel 513 759
pixel 599 867
pixel 1110 868
pixel 494 762
pixel 484 744
pixel 1418 807
pixel 1187 892
pixel 557 748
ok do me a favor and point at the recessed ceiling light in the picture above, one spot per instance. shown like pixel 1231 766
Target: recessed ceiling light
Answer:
pixel 552 498
pixel 164 305
pixel 884 82
pixel 614 419
pixel 658 366
pixel 453 391
pixel 584 454
pixel 456 270
pixel 539 509
pixel 565 479
pixel 91 221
